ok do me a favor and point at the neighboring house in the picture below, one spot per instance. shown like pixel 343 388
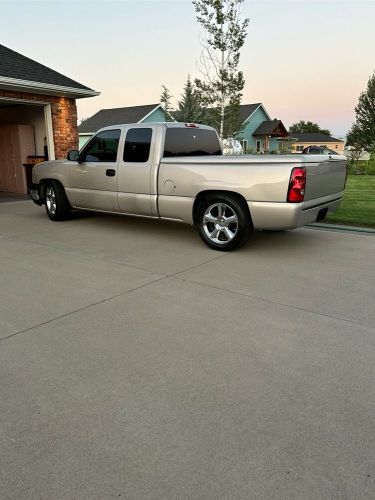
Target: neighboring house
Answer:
pixel 117 116
pixel 365 155
pixel 301 141
pixel 38 115
pixel 261 134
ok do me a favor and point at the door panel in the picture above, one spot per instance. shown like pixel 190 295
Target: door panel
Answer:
pixel 93 180
pixel 16 143
pixel 134 171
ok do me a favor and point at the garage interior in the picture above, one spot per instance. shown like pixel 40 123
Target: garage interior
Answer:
pixel 23 142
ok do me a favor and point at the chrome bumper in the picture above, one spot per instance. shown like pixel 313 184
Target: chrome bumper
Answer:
pixel 34 194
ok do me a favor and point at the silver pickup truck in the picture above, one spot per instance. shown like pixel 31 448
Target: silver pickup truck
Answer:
pixel 176 171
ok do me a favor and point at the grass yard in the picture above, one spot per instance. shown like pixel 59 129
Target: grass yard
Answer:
pixel 358 205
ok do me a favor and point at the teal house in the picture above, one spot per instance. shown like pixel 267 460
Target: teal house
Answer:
pixel 117 116
pixel 260 133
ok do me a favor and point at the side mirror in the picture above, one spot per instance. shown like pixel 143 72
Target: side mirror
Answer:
pixel 73 155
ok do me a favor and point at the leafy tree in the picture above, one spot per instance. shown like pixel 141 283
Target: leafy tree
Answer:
pixel 362 133
pixel 222 85
pixel 190 106
pixel 307 127
pixel 165 101
pixel 355 139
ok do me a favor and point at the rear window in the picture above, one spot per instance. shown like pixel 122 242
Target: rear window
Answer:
pixel 191 142
pixel 137 145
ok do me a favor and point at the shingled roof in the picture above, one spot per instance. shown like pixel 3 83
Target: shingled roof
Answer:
pixel 18 70
pixel 134 114
pixel 247 110
pixel 313 137
pixel 116 116
pixel 271 127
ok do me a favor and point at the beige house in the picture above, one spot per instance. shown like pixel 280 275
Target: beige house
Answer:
pixel 301 141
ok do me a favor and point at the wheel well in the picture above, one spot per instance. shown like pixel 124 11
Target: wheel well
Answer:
pixel 42 186
pixel 209 193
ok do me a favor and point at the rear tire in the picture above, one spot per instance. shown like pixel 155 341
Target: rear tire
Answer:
pixel 57 204
pixel 223 222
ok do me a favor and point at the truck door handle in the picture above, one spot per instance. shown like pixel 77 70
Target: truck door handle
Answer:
pixel 110 172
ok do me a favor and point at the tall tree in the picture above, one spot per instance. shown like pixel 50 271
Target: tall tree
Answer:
pixel 222 84
pixel 307 127
pixel 355 139
pixel 190 106
pixel 362 133
pixel 165 101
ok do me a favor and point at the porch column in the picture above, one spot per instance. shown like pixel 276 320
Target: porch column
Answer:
pixel 64 122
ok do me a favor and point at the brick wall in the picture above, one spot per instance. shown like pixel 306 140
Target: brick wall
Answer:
pixel 64 118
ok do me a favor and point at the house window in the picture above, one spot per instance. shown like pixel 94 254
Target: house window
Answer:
pixel 244 146
pixel 137 145
pixel 258 146
pixel 299 148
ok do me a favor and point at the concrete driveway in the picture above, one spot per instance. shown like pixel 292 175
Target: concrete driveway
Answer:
pixel 137 363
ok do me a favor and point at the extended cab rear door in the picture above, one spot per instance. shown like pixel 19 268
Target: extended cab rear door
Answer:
pixel 137 170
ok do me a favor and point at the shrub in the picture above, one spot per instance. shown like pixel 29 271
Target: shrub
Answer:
pixel 362 167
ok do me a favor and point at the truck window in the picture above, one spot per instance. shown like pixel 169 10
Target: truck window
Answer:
pixel 137 145
pixel 191 142
pixel 102 147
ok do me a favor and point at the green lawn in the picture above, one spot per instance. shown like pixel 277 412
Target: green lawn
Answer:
pixel 358 205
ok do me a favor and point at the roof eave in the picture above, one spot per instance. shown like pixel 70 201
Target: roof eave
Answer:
pixel 45 88
pixel 153 110
pixel 256 109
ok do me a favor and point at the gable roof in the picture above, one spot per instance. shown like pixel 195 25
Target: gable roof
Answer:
pixel 246 110
pixel 20 72
pixel 313 137
pixel 271 127
pixel 116 116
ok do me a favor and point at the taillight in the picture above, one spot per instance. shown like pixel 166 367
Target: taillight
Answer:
pixel 297 184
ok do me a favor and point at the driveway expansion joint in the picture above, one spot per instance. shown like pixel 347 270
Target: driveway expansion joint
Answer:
pixel 269 301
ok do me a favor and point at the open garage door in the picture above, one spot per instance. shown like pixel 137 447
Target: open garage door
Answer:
pixel 24 139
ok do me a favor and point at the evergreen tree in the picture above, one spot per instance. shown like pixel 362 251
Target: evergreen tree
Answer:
pixel 189 107
pixel 224 36
pixel 165 101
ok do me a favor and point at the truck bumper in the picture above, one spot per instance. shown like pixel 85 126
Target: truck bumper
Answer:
pixel 277 216
pixel 34 193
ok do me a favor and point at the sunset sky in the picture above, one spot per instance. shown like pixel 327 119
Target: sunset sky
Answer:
pixel 303 59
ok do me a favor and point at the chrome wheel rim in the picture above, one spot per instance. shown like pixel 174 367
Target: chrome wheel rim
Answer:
pixel 51 200
pixel 220 223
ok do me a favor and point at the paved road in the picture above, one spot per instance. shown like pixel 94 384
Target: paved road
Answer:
pixel 137 363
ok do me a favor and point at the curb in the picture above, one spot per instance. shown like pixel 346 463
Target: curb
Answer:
pixel 341 228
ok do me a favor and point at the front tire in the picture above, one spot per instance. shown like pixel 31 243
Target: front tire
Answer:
pixel 224 222
pixel 57 204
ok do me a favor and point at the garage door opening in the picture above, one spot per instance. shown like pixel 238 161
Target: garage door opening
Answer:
pixel 25 139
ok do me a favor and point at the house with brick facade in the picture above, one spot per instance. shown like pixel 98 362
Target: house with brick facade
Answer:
pixel 38 116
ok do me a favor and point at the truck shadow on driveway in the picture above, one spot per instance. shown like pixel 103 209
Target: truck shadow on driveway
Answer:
pixel 149 231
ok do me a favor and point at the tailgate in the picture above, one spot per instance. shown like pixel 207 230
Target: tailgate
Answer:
pixel 325 175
